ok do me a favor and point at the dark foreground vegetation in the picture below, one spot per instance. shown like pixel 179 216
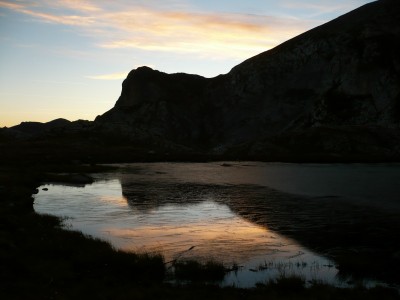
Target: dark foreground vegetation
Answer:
pixel 40 260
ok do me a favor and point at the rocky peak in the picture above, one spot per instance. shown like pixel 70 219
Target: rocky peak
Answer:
pixel 145 85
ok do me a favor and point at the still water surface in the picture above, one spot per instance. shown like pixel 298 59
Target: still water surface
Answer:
pixel 170 208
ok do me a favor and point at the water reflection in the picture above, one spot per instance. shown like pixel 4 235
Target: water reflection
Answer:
pixel 374 184
pixel 236 214
pixel 235 230
pixel 209 229
pixel 172 218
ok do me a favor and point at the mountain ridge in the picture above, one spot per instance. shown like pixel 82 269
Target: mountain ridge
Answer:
pixel 329 85
pixel 331 93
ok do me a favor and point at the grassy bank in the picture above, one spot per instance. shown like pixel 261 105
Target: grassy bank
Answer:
pixel 40 260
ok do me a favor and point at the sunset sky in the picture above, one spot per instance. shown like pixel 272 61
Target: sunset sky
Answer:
pixel 68 58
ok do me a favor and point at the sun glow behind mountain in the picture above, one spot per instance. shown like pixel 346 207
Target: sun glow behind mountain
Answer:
pixel 67 58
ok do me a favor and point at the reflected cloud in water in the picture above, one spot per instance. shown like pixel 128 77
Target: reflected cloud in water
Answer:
pixel 257 215
pixel 210 228
pixel 154 212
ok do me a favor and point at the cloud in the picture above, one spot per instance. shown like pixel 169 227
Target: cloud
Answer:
pixel 153 29
pixel 31 10
pixel 223 35
pixel 77 5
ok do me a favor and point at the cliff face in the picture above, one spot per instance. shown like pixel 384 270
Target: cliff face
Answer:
pixel 159 106
pixel 334 89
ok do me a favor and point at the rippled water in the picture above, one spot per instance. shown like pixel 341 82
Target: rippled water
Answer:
pixel 211 209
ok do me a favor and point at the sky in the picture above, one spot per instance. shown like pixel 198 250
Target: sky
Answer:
pixel 68 58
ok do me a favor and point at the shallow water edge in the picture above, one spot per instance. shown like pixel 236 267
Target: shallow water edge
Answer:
pixel 259 212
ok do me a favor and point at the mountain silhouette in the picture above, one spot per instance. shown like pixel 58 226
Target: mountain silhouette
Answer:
pixel 332 92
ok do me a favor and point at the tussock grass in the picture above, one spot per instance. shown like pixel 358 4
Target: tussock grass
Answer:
pixel 195 271
pixel 291 283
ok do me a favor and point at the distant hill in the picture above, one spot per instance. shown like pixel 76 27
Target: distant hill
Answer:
pixel 37 130
pixel 38 127
pixel 334 90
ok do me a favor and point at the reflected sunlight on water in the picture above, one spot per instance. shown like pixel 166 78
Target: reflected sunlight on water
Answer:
pixel 151 212
pixel 215 232
pixel 221 212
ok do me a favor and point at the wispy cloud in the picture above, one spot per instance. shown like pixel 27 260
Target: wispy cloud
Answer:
pixel 34 11
pixel 180 31
pixel 231 35
pixel 77 5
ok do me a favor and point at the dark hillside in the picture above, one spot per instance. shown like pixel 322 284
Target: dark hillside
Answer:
pixel 337 87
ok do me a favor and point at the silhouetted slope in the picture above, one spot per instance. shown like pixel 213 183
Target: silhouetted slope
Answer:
pixel 158 105
pixel 334 90
pixel 37 130
pixel 330 93
pixel 36 127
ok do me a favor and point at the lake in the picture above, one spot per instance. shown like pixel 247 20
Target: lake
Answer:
pixel 221 211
